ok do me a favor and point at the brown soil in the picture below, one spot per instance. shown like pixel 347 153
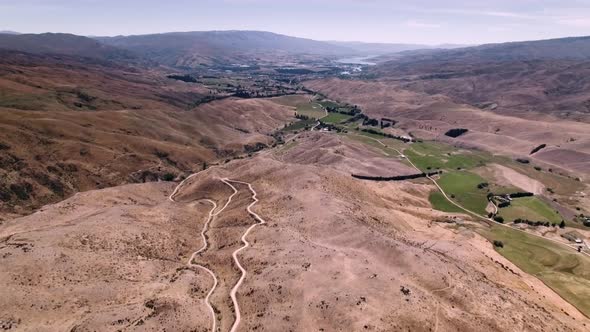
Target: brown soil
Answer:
pixel 506 176
pixel 337 254
pixel 430 116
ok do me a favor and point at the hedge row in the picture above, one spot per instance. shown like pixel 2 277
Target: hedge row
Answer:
pixel 395 178
pixel 376 132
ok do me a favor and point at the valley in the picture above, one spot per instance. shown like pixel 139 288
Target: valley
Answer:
pixel 248 181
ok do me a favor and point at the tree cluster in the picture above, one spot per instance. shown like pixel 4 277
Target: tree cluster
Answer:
pixel 538 223
pixel 456 132
pixel 521 194
pixel 483 185
pixel 538 148
pixel 352 112
pixel 184 78
pixel 499 219
pixel 376 132
pixel 395 178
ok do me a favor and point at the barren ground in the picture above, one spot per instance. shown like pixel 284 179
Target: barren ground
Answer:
pixel 337 254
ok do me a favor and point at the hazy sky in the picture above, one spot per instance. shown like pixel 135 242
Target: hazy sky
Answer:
pixel 417 21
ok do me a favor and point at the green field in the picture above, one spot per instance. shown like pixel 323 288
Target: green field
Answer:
pixel 335 118
pixel 299 125
pixel 531 208
pixel 303 105
pixel 461 186
pixel 312 110
pixel 372 143
pixel 565 188
pixel 329 103
pixel 433 155
pixel 439 202
pixel 561 268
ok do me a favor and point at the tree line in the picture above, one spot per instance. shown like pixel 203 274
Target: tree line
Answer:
pixel 395 178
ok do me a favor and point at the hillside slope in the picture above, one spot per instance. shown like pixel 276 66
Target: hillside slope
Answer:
pixel 336 254
pixel 548 76
pixel 69 126
pixel 62 43
pixel 191 49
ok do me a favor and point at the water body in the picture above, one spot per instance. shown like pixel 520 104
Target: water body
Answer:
pixel 359 60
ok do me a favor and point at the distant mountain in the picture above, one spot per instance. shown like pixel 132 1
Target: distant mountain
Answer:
pixel 378 48
pixel 389 48
pixel 8 32
pixel 573 48
pixel 61 43
pixel 190 49
pixel 548 76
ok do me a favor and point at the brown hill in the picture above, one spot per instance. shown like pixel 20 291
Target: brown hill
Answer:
pixel 430 116
pixel 572 48
pixel 69 126
pixel 548 76
pixel 557 87
pixel 336 254
pixel 62 43
pixel 192 49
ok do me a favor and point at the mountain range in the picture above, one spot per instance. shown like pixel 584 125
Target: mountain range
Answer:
pixel 193 49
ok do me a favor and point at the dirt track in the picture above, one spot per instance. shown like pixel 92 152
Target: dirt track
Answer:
pixel 334 256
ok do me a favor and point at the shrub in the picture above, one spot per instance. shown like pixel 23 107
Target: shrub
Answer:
pixel 523 161
pixel 5 194
pixel 161 154
pixel 562 224
pixel 252 148
pixel 499 219
pixel 483 185
pixel 498 244
pixel 22 190
pixel 371 122
pixel 168 177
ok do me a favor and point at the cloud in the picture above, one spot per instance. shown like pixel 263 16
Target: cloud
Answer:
pixel 577 22
pixel 421 25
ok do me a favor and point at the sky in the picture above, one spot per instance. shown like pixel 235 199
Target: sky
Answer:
pixel 431 22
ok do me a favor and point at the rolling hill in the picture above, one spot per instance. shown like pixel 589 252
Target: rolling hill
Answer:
pixel 62 43
pixel 572 48
pixel 191 49
pixel 547 76
pixel 375 49
pixel 71 124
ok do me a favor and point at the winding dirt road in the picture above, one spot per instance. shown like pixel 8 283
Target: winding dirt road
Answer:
pixel 212 214
pixel 191 259
pixel 246 245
